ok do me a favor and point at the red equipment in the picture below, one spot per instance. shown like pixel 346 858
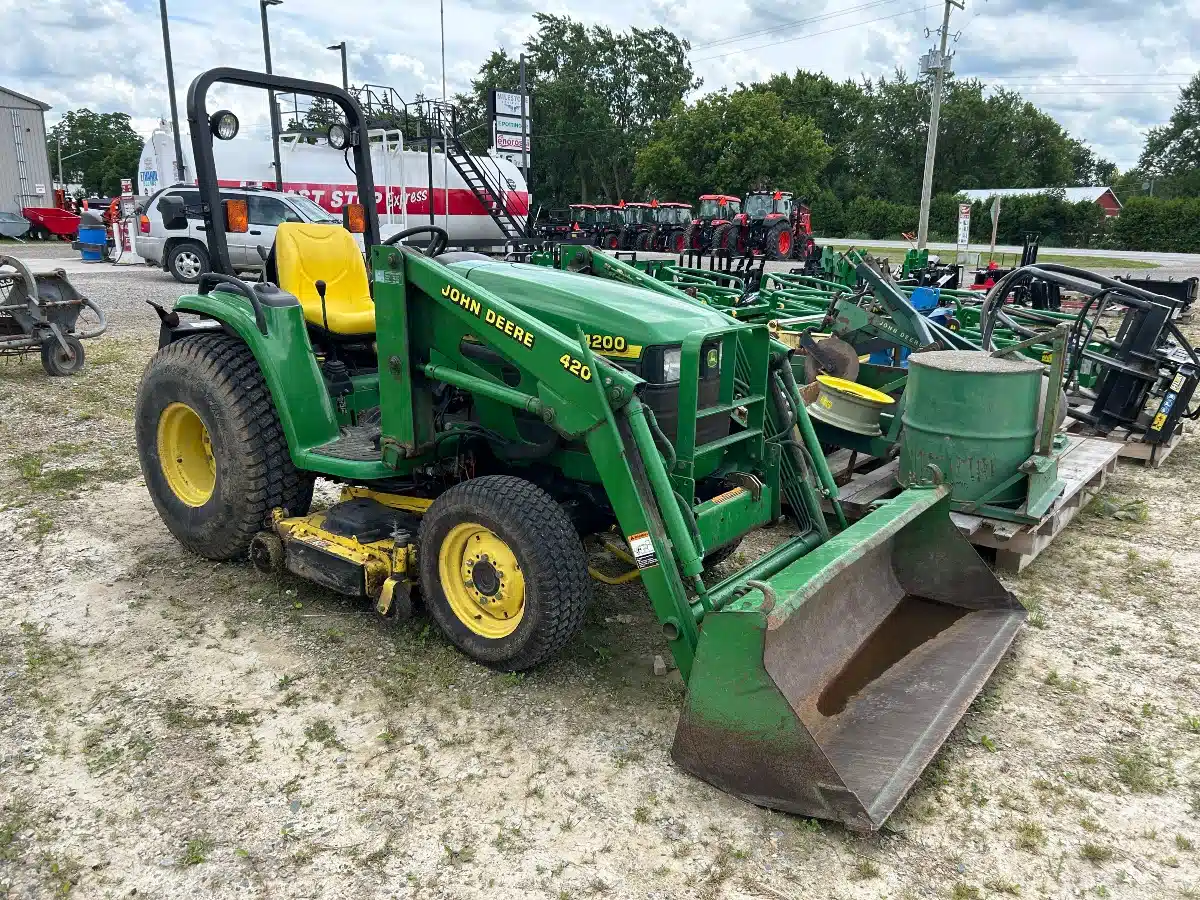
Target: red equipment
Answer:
pixel 772 225
pixel 711 225
pixel 47 221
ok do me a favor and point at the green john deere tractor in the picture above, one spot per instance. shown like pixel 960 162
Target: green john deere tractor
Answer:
pixel 485 416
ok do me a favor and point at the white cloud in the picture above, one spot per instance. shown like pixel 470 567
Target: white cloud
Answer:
pixel 107 54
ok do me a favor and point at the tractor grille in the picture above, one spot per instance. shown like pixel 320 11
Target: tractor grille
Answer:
pixel 663 399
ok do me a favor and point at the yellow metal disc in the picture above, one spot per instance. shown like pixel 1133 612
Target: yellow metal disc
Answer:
pixel 858 390
pixel 482 580
pixel 185 454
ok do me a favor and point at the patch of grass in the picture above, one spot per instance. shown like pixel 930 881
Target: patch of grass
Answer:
pixel 1121 509
pixel 14 823
pixel 196 851
pixel 320 731
pixel 1184 843
pixel 1000 886
pixel 1191 724
pixel 461 856
pixel 641 815
pixel 1096 853
pixel 1135 770
pixel 1031 836
pixel 1090 824
pixel 866 869
pixel 1054 680
pixel 964 891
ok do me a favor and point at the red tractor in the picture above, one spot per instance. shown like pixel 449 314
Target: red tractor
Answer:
pixel 771 224
pixel 610 223
pixel 708 229
pixel 674 221
pixel 640 225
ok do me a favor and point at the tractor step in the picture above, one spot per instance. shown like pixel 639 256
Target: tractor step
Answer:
pixel 359 443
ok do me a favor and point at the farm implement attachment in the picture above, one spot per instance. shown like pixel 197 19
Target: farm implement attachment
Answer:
pixel 39 312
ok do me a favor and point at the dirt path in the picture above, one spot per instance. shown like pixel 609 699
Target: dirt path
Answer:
pixel 173 728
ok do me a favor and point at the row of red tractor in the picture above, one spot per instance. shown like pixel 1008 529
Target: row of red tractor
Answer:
pixel 766 223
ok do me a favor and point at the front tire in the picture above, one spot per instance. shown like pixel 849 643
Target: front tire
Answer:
pixel 779 242
pixel 59 362
pixel 212 451
pixel 187 262
pixel 503 572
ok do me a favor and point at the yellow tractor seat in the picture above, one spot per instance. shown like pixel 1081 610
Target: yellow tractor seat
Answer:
pixel 306 253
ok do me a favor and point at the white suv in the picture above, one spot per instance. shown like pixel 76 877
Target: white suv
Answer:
pixel 184 251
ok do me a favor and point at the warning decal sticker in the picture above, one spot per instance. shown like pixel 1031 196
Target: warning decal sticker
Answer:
pixel 643 550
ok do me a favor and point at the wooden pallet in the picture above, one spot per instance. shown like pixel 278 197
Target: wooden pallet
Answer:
pixel 1084 466
pixel 1132 446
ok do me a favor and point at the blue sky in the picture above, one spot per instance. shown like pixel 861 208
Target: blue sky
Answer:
pixel 1106 69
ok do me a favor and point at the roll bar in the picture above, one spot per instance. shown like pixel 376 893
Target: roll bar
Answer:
pixel 206 167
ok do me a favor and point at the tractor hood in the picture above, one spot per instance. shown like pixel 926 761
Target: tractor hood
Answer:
pixel 633 317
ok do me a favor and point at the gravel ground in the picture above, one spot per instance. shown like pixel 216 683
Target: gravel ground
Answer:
pixel 175 728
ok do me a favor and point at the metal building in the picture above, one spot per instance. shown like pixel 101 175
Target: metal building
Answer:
pixel 24 163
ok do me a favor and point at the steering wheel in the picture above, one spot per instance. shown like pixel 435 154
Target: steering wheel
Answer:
pixel 437 245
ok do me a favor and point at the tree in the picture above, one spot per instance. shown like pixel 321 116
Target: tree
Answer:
pixel 733 143
pixel 103 148
pixel 596 97
pixel 1172 151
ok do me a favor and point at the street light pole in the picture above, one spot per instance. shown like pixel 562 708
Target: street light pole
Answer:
pixel 180 172
pixel 345 75
pixel 939 67
pixel 62 184
pixel 262 8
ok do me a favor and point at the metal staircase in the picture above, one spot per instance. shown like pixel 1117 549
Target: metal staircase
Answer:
pixel 483 175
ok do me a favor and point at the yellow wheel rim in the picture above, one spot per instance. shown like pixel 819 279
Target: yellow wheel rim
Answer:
pixel 482 580
pixel 185 454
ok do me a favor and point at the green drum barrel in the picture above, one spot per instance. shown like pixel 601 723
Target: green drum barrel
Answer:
pixel 974 416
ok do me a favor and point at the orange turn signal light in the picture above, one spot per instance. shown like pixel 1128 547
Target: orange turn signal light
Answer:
pixel 354 218
pixel 237 216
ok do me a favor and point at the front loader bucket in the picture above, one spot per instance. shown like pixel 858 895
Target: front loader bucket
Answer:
pixel 827 694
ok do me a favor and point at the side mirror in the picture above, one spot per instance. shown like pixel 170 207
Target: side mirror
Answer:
pixel 173 211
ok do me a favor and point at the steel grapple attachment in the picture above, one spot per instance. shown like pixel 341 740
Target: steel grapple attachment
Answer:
pixel 829 693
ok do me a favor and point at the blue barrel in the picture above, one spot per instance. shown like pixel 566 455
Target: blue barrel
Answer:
pixel 93 237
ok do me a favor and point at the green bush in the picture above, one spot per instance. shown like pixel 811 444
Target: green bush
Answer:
pixel 1150 223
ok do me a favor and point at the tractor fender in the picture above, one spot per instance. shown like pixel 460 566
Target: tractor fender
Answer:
pixel 284 356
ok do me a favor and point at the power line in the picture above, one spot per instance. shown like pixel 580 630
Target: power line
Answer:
pixel 802 37
pixel 795 23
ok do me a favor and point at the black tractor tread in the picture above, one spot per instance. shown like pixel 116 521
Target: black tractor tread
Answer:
pixel 689 237
pixel 271 479
pixel 558 559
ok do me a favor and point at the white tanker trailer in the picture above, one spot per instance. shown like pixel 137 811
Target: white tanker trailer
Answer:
pixel 403 187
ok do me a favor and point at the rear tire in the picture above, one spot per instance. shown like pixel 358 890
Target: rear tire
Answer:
pixel 58 362
pixel 187 261
pixel 691 238
pixel 642 241
pixel 543 551
pixel 215 379
pixel 720 237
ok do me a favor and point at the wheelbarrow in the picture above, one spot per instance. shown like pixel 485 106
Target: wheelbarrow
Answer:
pixel 41 312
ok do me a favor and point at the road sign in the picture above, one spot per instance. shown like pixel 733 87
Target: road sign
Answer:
pixel 512 124
pixel 964 225
pixel 511 142
pixel 508 104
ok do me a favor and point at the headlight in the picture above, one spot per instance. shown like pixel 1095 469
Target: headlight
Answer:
pixel 223 124
pixel 671 359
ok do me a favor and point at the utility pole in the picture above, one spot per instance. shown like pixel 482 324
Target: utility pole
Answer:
pixel 180 173
pixel 262 9
pixel 937 62
pixel 524 154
